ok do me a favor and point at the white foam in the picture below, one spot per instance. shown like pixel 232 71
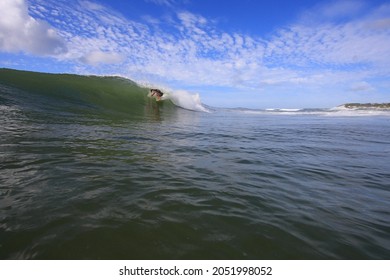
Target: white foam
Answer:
pixel 333 112
pixel 186 100
pixel 282 110
pixel 357 113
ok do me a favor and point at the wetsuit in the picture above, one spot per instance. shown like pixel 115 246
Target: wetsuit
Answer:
pixel 157 92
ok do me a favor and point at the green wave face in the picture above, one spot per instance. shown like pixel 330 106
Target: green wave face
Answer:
pixel 109 96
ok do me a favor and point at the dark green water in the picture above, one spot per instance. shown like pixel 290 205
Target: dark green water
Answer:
pixel 91 168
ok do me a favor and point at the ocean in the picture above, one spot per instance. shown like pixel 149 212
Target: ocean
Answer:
pixel 93 168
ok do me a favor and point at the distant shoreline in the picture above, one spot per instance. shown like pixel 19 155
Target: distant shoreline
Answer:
pixel 366 105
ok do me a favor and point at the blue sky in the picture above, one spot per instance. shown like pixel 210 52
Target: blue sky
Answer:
pixel 234 53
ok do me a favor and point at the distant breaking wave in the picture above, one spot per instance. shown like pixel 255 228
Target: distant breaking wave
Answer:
pixel 339 111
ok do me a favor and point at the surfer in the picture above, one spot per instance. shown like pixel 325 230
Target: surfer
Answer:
pixel 156 92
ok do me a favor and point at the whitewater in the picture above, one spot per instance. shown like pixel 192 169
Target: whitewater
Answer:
pixel 92 168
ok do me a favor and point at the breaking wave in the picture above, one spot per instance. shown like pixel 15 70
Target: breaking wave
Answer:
pixel 108 95
pixel 117 95
pixel 340 111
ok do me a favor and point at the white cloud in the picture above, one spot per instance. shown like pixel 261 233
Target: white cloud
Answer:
pixel 162 2
pixel 190 20
pixel 333 10
pixel 20 32
pixel 196 52
pixel 361 86
pixel 352 46
pixel 88 5
pixel 98 57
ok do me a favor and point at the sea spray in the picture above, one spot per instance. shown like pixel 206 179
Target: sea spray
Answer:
pixel 187 100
